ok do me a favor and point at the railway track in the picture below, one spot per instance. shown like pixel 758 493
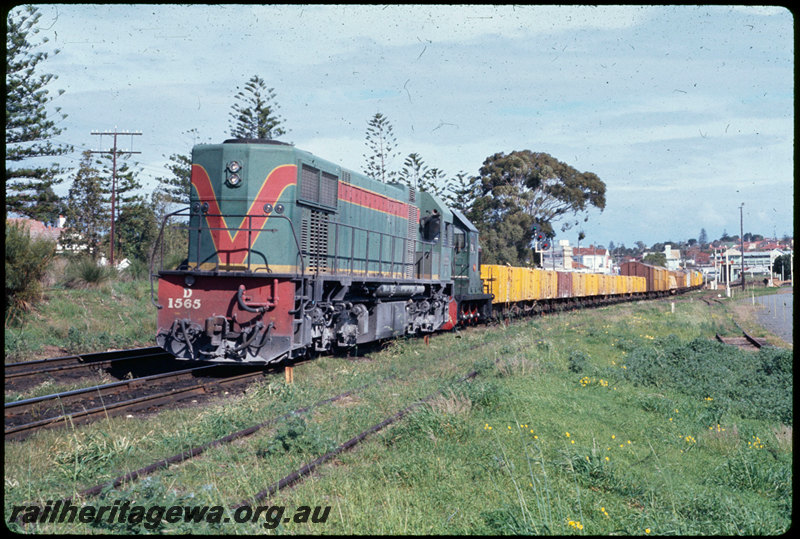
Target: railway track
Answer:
pixel 294 476
pixel 745 341
pixel 26 373
pixel 147 392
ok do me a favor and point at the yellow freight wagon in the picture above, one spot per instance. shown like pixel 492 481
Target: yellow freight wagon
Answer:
pixel 592 284
pixel 549 284
pixel 578 285
pixel 535 281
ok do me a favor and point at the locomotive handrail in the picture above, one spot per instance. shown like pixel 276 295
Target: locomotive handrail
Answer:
pixel 249 229
pixel 159 243
pixel 351 260
pixel 158 246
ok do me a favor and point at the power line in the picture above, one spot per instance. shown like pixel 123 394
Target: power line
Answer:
pixel 114 152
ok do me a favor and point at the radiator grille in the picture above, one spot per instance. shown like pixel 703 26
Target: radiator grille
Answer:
pixel 318 187
pixel 411 236
pixel 328 190
pixel 314 240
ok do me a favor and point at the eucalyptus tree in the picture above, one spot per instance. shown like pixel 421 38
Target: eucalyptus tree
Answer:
pixel 524 188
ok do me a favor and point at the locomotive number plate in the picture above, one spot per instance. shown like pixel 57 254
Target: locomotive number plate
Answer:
pixel 186 302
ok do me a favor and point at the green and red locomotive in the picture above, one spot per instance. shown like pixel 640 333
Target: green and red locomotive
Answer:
pixel 290 253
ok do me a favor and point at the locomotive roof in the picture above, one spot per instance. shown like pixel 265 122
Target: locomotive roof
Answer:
pixel 254 141
pixel 463 220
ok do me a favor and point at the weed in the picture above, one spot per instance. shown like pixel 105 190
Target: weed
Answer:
pixel 578 361
pixel 295 436
pixel 507 520
pixel 449 403
pixel 702 368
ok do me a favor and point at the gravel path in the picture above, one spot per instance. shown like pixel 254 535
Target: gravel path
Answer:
pixel 775 314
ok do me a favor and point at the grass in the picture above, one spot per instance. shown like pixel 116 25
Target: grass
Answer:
pixel 579 423
pixel 116 314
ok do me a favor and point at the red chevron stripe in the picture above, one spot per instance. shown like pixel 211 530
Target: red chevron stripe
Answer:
pixel 234 246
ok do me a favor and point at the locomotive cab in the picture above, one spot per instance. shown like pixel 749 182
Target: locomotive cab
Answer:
pixel 471 302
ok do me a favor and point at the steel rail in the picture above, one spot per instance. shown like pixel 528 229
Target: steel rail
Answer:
pixel 18 407
pixel 14 371
pixel 305 470
pixel 191 453
pixel 196 451
pixel 137 403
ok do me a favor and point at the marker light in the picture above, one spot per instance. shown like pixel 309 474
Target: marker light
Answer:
pixel 234 167
pixel 234 180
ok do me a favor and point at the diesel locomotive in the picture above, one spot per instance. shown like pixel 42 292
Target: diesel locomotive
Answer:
pixel 289 253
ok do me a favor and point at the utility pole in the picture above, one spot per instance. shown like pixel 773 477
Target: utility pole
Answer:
pixel 114 152
pixel 741 241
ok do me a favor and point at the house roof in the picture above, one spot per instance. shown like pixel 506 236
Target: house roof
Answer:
pixel 588 251
pixel 37 229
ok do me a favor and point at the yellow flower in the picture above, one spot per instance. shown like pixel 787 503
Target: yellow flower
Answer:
pixel 647 530
pixel 567 435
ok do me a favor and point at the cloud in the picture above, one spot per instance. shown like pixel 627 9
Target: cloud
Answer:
pixel 694 100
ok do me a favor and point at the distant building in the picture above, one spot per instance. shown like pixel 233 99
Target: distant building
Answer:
pixel 38 229
pixel 564 257
pixel 755 262
pixel 673 257
pixel 596 259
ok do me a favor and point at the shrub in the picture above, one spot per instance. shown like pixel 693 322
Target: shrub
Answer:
pixel 138 270
pixel 27 260
pixel 83 272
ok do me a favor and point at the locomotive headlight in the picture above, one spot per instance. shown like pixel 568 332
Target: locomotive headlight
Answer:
pixel 234 180
pixel 234 167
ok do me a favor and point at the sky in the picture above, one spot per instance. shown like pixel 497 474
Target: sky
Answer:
pixel 685 112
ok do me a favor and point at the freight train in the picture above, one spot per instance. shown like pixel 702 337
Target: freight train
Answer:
pixel 289 253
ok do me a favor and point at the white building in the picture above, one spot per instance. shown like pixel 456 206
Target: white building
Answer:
pixel 590 259
pixel 673 257
pixel 755 262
